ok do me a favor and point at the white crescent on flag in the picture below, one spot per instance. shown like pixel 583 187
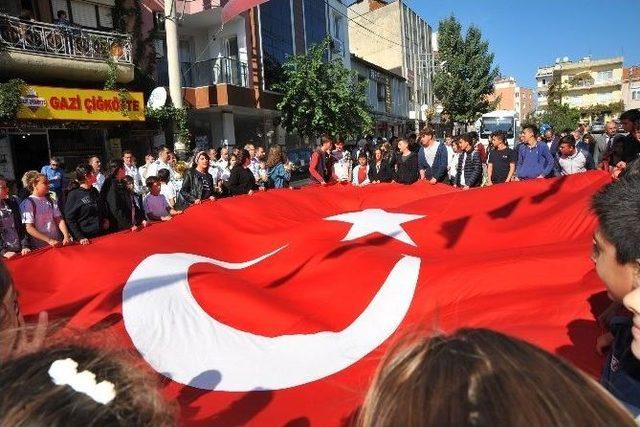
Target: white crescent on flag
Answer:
pixel 234 8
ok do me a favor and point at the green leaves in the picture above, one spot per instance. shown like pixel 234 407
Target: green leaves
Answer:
pixel 322 97
pixel 467 74
pixel 10 93
pixel 168 114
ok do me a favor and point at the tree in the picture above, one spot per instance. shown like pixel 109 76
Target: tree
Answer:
pixel 322 97
pixel 466 76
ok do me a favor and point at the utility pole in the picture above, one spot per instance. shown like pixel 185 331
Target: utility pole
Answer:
pixel 173 62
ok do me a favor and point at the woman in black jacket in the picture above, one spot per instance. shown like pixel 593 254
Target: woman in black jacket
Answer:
pixel 406 165
pixel 13 238
pixel 81 211
pixel 198 184
pixel 379 170
pixel 242 180
pixel 117 204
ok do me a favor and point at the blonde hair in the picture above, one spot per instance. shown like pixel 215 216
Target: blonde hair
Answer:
pixel 478 377
pixel 33 179
pixel 28 176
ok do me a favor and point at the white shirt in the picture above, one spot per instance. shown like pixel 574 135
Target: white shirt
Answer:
pixel 575 163
pixel 430 152
pixel 341 169
pixel 463 182
pixel 254 167
pixel 132 171
pixel 99 181
pixel 168 192
pixel 154 167
pixel 354 180
pixel 43 219
pixel 215 172
pixel 155 205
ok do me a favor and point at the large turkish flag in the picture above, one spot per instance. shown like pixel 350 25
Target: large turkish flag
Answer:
pixel 274 309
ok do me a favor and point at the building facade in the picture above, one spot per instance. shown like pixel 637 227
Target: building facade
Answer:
pixel 592 85
pixel 631 87
pixel 513 97
pixel 386 96
pixel 229 71
pixel 405 49
pixel 65 110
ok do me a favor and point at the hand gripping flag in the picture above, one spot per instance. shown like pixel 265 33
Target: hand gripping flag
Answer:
pixel 275 309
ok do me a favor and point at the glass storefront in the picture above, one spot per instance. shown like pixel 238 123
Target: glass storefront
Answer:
pixel 277 38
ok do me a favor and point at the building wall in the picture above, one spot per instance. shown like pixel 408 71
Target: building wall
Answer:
pixel 388 53
pixel 527 102
pixel 631 88
pixel 507 96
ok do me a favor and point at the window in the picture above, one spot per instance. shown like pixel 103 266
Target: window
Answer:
pixel 544 82
pixel 84 14
pixel 517 94
pixel 604 76
pixel 604 98
pixel 315 21
pixel 382 91
pixel 277 38
pixel 104 14
pixel 95 14
pixel 635 95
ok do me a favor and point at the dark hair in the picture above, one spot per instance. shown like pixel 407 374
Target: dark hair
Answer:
pixel 164 175
pixel 197 155
pixel 162 149
pixel 631 115
pixel 55 159
pixel 589 139
pixel 426 131
pixel 533 128
pixel 473 134
pixel 325 138
pixel 363 155
pixel 568 140
pixel 82 171
pixel 468 137
pixel 114 166
pixel 566 130
pixel 478 377
pixel 128 179
pixel 125 152
pixel 5 283
pixel 242 157
pixel 31 398
pixel 617 206
pixel 152 180
pixel 499 135
pixel 60 13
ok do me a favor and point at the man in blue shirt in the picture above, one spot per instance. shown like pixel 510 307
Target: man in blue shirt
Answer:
pixel 55 174
pixel 534 158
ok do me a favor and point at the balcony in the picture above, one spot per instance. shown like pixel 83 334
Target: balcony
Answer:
pixel 39 50
pixel 594 84
pixel 210 72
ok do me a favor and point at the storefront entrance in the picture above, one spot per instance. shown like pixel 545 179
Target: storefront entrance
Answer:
pixel 27 151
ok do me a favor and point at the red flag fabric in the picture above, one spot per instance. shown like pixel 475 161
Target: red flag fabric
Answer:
pixel 275 309
pixel 234 8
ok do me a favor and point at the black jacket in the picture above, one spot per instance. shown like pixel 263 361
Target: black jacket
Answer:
pixel 23 237
pixel 407 169
pixel 241 181
pixel 472 169
pixel 385 174
pixel 82 214
pixel 193 188
pixel 121 208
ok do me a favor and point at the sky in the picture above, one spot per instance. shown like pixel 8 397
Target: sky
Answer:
pixel 525 34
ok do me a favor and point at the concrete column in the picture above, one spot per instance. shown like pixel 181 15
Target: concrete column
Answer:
pixel 173 61
pixel 228 128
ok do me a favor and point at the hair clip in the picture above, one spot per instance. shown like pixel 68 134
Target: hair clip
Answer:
pixel 65 372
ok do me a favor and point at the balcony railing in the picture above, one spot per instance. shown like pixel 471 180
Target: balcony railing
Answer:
pixel 209 72
pixel 63 41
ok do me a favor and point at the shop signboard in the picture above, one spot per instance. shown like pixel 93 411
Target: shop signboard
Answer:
pixel 56 103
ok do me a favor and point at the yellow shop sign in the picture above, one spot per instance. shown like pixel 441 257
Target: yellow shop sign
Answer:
pixel 55 103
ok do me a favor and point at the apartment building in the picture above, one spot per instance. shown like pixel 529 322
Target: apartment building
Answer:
pixel 229 71
pixel 65 110
pixel 386 96
pixel 513 97
pixel 393 36
pixel 588 84
pixel 631 87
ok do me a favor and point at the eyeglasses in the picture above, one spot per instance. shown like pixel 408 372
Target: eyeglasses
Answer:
pixel 54 165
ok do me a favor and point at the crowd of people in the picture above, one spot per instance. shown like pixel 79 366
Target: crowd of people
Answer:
pixel 464 162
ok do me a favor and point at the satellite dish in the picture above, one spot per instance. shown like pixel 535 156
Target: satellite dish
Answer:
pixel 157 99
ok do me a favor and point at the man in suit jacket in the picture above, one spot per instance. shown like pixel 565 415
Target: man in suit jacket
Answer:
pixel 604 142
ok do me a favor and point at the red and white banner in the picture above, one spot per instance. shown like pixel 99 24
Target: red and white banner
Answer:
pixel 234 8
pixel 275 309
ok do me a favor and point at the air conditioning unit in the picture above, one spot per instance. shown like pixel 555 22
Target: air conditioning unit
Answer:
pixel 337 46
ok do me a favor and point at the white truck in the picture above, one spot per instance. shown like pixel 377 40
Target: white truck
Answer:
pixel 503 120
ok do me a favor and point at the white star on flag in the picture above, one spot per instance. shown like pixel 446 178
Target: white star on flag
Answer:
pixel 371 221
